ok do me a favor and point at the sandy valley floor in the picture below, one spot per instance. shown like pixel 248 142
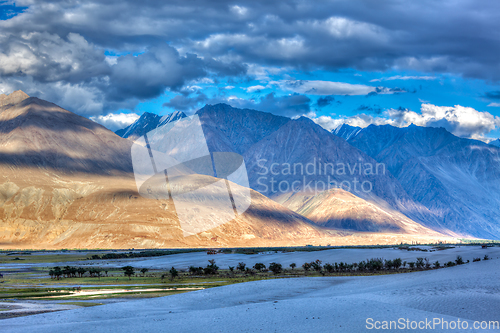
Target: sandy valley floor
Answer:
pixel 467 293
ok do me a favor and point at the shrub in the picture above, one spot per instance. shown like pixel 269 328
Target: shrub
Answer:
pixel 420 263
pixel 173 273
pixel 396 263
pixel 486 257
pixel 259 266
pixel 306 266
pixel 211 269
pixel 476 259
pixel 241 266
pixel 275 267
pixel 375 264
pixel 437 264
pixel 459 260
pixel 316 265
pixel 362 266
pixel 449 264
pixel 411 264
pixel 329 268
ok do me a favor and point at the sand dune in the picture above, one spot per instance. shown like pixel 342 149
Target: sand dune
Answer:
pixel 467 293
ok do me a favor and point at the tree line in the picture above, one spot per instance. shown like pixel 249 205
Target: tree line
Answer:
pixel 370 265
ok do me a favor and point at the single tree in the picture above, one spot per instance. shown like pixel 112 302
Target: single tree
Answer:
pixel 293 265
pixel 128 271
pixel 66 271
pixel 241 266
pixel 396 263
pixel 57 272
pixel 306 266
pixel 259 266
pixel 144 271
pixel 316 265
pixel 173 273
pixel 276 268
pixel 420 263
pixel 212 268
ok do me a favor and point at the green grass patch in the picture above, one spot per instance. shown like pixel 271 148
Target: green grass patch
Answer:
pixel 83 304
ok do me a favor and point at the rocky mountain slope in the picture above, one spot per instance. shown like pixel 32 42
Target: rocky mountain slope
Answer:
pixel 303 157
pixel 457 179
pixel 343 210
pixel 495 143
pixel 346 131
pixel 37 134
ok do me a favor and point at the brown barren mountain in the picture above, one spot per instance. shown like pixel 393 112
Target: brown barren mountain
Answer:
pixel 67 182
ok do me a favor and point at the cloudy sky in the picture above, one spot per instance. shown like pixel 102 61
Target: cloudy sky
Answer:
pixel 431 63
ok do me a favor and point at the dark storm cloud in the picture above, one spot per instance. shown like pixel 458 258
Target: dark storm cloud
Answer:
pixel 185 102
pixel 371 109
pixel 149 74
pixel 493 94
pixel 325 101
pixel 288 105
pixel 384 90
pixel 59 45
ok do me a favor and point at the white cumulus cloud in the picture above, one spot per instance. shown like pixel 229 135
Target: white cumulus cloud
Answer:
pixel 254 88
pixel 318 87
pixel 116 121
pixel 461 121
pixel 401 77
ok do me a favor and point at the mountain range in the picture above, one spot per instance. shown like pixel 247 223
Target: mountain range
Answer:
pixel 438 180
pixel 457 179
pixel 69 182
